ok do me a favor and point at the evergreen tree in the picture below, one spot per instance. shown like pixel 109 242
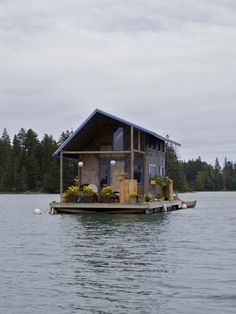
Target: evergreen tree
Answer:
pixel 218 175
pixel 229 175
pixel 16 156
pixel 31 151
pixel 174 169
pixel 49 165
pixel 70 166
pixel 19 161
pixel 6 171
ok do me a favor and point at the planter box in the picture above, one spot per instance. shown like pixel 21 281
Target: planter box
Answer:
pixel 105 199
pixel 70 199
pixel 88 199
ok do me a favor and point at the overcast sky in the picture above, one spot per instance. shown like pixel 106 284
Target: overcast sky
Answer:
pixel 168 65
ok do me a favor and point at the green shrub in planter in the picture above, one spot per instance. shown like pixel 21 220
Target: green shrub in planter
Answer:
pixel 88 196
pixel 106 194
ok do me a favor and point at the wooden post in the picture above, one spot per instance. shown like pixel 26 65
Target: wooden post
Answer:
pixel 132 153
pixel 145 174
pixel 61 173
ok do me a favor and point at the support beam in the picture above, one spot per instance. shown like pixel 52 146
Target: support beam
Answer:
pixel 61 173
pixel 132 152
pixel 139 151
pixel 115 152
pixel 145 174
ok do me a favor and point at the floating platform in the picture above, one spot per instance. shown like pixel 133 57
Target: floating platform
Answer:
pixel 114 208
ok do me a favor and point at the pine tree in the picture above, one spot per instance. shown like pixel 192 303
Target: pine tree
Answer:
pixel 174 169
pixel 6 169
pixel 49 165
pixel 19 161
pixel 70 167
pixel 32 155
pixel 218 175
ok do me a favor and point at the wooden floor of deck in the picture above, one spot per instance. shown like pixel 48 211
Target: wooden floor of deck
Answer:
pixel 114 208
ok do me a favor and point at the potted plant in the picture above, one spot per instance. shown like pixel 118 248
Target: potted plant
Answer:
pixel 148 197
pixel 159 197
pixel 88 195
pixel 133 197
pixel 71 194
pixel 106 194
pixel 161 181
pixel 121 175
pixel 141 198
pixel 153 183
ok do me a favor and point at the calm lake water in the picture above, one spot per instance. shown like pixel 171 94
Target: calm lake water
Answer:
pixel 177 262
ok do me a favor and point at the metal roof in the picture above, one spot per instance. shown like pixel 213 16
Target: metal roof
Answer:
pixel 98 111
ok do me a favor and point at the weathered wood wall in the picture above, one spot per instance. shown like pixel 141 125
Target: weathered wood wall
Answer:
pixel 126 188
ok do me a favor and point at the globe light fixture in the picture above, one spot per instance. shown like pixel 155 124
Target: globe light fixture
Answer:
pixel 112 162
pixel 80 164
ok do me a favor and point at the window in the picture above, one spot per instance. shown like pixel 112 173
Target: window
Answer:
pixel 152 143
pixel 138 173
pixel 152 171
pixel 162 171
pixel 118 138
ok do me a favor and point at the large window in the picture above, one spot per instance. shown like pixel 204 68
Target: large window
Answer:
pixel 152 171
pixel 118 138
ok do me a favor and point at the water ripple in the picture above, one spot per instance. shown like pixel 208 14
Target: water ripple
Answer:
pixel 179 262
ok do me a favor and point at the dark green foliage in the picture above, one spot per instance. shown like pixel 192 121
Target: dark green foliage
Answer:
pixel 197 175
pixel 27 164
pixel 174 170
pixel 49 165
pixel 218 175
pixel 6 169
pixel 205 177
pixel 70 166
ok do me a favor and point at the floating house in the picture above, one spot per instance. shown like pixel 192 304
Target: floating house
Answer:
pixel 106 145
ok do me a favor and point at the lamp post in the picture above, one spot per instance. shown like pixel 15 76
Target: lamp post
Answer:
pixel 80 165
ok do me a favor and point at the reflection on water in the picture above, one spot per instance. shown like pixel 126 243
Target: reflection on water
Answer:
pixel 178 262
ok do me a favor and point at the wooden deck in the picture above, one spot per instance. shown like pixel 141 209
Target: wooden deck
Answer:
pixel 114 208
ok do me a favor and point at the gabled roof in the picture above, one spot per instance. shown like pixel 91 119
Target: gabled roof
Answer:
pixel 105 114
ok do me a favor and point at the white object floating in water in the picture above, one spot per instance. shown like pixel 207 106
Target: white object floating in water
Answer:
pixel 184 206
pixel 37 211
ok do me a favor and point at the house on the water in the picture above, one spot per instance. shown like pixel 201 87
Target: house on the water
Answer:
pixel 105 145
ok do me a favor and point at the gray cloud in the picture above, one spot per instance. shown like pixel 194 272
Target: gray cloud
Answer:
pixel 167 65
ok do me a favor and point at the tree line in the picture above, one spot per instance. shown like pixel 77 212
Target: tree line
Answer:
pixel 27 165
pixel 198 175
